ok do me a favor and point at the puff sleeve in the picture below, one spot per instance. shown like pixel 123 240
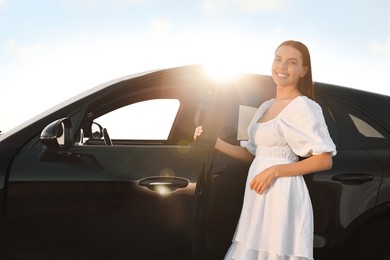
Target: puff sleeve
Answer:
pixel 249 145
pixel 305 130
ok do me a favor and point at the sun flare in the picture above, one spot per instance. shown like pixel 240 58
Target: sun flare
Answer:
pixel 222 72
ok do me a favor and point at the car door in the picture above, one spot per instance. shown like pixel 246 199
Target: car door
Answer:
pixel 220 189
pixel 124 185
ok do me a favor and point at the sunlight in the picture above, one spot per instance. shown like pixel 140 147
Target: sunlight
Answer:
pixel 222 72
pixel 225 58
pixel 162 189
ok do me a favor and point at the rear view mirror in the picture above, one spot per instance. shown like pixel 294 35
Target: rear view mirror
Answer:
pixel 58 134
pixel 96 130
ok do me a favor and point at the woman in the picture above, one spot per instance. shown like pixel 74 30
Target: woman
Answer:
pixel 276 220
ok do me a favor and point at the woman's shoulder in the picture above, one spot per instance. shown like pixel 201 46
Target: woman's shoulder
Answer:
pixel 303 107
pixel 261 109
pixel 267 102
pixel 304 103
pixel 265 105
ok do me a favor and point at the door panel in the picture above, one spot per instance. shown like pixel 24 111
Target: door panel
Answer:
pixel 338 202
pixel 96 220
pixel 71 204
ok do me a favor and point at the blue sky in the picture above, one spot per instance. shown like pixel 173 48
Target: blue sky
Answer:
pixel 51 50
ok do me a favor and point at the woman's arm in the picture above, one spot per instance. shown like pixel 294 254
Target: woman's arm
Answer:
pixel 315 163
pixel 234 151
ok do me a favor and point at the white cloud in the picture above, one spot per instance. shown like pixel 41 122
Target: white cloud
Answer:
pixel 161 26
pixel 90 3
pixel 249 6
pixel 2 3
pixel 101 3
pixel 381 48
pixel 13 47
pixel 139 2
pixel 210 5
pixel 259 5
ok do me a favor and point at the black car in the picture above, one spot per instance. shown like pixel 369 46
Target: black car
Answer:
pixel 115 173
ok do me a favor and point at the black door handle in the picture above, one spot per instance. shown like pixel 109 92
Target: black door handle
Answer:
pixel 353 178
pixel 164 184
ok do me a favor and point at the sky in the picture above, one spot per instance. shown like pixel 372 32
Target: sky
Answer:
pixel 52 50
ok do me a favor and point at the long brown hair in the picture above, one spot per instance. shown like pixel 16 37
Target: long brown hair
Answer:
pixel 305 84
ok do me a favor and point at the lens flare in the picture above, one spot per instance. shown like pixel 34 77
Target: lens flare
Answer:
pixel 222 72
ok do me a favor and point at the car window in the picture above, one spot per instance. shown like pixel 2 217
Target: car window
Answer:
pixel 146 120
pixel 357 129
pixel 245 115
pixel 365 128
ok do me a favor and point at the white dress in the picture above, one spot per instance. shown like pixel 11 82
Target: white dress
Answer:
pixel 278 225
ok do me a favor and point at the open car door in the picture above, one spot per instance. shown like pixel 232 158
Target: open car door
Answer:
pixel 115 176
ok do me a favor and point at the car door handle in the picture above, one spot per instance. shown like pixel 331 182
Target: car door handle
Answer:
pixel 353 178
pixel 164 184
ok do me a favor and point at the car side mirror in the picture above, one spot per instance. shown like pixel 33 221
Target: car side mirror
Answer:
pixel 58 134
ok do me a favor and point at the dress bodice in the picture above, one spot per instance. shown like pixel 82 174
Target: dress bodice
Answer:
pixel 270 142
pixel 298 130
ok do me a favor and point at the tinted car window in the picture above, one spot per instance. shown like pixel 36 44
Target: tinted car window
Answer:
pixel 365 128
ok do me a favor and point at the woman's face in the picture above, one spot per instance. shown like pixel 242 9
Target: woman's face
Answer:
pixel 287 67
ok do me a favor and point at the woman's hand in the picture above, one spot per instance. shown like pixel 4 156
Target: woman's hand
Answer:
pixel 198 132
pixel 261 182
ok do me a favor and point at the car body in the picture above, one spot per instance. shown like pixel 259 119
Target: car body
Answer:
pixel 99 176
